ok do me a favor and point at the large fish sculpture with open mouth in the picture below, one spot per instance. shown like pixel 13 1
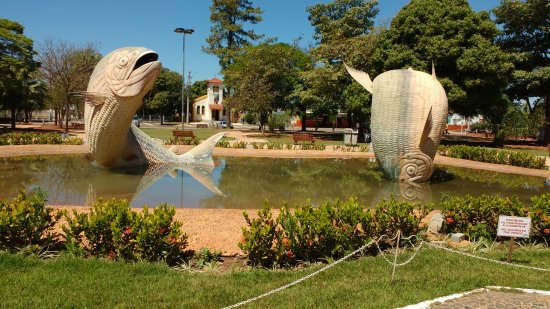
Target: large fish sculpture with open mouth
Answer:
pixel 115 93
pixel 408 117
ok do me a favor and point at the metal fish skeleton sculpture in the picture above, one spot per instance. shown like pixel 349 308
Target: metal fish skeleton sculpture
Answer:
pixel 408 117
pixel 115 93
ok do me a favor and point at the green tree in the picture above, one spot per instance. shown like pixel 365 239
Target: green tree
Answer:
pixel 344 31
pixel 227 34
pixel 460 42
pixel 16 66
pixel 526 33
pixel 264 78
pixel 165 98
pixel 198 89
pixel 67 69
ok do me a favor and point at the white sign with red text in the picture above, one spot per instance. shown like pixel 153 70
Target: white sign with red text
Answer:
pixel 514 226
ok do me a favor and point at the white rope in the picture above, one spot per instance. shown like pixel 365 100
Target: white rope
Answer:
pixel 486 259
pixel 417 250
pixel 301 279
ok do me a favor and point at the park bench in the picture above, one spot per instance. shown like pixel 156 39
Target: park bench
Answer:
pixel 4 128
pixel 77 126
pixel 202 125
pixel 180 133
pixel 302 137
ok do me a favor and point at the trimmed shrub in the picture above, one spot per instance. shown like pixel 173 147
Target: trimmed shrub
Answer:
pixel 239 144
pixel 308 234
pixel 29 138
pixel 540 217
pixel 481 154
pixel 183 141
pixel 478 216
pixel 392 215
pixel 257 145
pixel 312 146
pixel 25 221
pixel 223 144
pixel 112 230
pixel 275 145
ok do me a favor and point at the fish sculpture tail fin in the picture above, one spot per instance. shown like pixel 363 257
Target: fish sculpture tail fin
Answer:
pixel 155 153
pixel 361 77
pixel 202 153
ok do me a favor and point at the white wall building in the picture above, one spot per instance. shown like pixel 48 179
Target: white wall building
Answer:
pixel 210 107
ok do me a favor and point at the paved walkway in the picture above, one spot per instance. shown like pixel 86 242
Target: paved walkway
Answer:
pixel 496 300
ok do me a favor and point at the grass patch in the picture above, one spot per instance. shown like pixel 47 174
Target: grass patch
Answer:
pixel 535 152
pixel 166 134
pixel 363 283
pixel 287 139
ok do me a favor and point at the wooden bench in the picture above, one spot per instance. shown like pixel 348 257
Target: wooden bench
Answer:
pixel 77 126
pixel 302 137
pixel 202 125
pixel 180 133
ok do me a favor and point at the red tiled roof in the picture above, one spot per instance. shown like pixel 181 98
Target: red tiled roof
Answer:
pixel 215 81
pixel 214 107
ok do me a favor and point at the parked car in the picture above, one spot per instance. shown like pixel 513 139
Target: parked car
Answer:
pixel 136 121
pixel 223 124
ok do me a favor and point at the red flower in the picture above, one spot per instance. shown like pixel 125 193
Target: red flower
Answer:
pixel 112 255
pixel 546 231
pixel 289 254
pixel 172 240
pixel 162 230
pixel 128 231
pixel 286 242
pixel 450 220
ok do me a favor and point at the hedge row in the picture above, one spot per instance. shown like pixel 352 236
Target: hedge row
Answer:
pixel 482 154
pixel 28 138
pixel 310 234
pixel 110 230
pixel 307 233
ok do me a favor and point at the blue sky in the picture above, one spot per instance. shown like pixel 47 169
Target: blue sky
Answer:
pixel 113 24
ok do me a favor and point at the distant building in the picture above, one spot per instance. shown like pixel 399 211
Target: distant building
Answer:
pixel 210 107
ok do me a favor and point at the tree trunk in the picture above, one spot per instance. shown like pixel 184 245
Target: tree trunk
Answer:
pixel 304 121
pixel 228 118
pixel 162 120
pixel 26 116
pixel 350 120
pixel 13 115
pixel 56 116
pixel 547 113
pixel 67 116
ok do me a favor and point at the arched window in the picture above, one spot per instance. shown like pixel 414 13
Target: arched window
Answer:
pixel 198 109
pixel 203 110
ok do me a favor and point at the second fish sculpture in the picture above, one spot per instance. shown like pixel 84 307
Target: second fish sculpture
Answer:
pixel 408 118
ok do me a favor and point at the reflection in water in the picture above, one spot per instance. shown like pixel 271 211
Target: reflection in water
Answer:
pixel 245 182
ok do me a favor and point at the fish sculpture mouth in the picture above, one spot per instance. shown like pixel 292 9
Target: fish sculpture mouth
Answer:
pixel 141 79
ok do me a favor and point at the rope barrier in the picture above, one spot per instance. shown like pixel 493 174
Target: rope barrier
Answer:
pixel 394 264
pixel 301 279
pixel 485 259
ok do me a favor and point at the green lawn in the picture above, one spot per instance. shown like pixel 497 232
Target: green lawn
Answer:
pixel 287 139
pixel 535 152
pixel 166 133
pixel 363 283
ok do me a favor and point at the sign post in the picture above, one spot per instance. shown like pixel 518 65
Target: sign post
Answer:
pixel 513 227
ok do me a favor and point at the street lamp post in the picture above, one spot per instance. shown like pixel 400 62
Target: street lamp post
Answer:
pixel 184 32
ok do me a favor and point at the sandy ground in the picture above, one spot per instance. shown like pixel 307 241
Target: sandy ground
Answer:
pixel 220 229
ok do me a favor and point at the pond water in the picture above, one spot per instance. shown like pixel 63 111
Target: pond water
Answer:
pixel 245 182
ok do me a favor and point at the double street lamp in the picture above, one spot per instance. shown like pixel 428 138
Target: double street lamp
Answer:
pixel 184 32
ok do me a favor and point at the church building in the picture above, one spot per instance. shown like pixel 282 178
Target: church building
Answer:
pixel 210 107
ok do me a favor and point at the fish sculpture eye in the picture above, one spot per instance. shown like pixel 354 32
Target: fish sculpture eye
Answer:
pixel 122 61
